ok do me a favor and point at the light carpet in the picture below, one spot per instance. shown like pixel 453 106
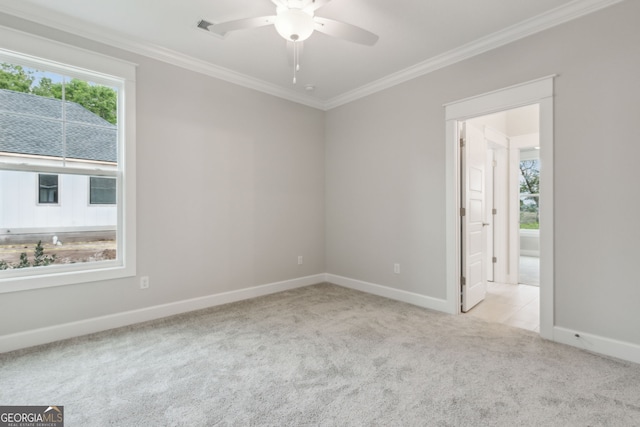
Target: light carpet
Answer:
pixel 322 355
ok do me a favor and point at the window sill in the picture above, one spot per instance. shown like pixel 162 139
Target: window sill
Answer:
pixel 529 232
pixel 107 270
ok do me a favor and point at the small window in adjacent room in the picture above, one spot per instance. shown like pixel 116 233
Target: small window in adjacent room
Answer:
pixel 102 191
pixel 529 189
pixel 48 189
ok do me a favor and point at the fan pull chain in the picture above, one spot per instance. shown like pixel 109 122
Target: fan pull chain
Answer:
pixel 296 65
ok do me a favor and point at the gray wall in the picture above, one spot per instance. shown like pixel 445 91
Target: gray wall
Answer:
pixel 385 160
pixel 230 190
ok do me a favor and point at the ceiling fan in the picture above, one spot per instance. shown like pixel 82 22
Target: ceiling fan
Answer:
pixel 295 21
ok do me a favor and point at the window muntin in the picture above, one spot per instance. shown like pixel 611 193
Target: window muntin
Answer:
pixel 48 189
pixel 102 191
pixel 72 127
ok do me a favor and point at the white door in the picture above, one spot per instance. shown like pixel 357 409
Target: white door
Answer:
pixel 474 269
pixel 489 196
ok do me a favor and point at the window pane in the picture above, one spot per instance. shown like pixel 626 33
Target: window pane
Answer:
pixel 91 103
pixel 529 190
pixel 30 116
pixel 30 136
pixel 48 118
pixel 529 212
pixel 48 189
pixel 92 143
pixel 102 191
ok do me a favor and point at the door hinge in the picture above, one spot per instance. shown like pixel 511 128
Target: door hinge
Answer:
pixel 463 281
pixel 494 260
pixel 494 211
pixel 463 212
pixel 462 142
pixel 495 163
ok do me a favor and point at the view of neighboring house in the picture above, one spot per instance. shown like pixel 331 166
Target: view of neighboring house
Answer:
pixel 52 132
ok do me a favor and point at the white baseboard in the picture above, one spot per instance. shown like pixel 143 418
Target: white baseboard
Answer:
pixel 593 343
pixel 74 329
pixel 391 293
pixel 597 344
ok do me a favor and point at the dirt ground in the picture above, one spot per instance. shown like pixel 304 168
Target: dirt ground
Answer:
pixel 67 253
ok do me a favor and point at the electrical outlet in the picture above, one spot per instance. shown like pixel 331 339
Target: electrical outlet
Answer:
pixel 144 282
pixel 396 268
pixel 299 259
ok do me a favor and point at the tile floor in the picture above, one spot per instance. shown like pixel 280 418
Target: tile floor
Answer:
pixel 514 305
pixel 529 270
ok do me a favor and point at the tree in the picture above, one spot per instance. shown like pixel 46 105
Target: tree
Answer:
pixel 47 88
pixel 530 179
pixel 16 78
pixel 100 100
pixel 530 189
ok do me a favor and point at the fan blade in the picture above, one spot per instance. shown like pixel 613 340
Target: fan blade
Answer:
pixel 315 5
pixel 241 24
pixel 345 31
pixel 290 52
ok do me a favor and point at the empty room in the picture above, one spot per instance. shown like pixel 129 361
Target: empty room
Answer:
pixel 319 212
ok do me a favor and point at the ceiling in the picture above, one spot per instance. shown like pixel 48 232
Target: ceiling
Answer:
pixel 416 37
pixel 512 123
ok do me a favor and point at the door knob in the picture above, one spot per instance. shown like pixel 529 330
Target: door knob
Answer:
pixel 485 224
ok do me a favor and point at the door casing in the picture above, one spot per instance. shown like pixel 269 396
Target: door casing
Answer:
pixel 539 91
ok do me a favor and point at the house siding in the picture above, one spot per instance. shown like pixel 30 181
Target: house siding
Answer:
pixel 20 211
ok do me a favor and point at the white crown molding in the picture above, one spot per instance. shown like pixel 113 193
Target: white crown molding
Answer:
pixel 552 18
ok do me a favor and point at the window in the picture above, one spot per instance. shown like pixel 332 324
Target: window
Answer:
pixel 48 189
pixel 62 112
pixel 529 190
pixel 102 191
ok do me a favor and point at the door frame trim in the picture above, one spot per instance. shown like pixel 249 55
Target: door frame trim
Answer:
pixel 539 91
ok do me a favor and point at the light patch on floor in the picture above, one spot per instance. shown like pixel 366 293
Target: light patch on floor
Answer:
pixel 513 305
pixel 529 271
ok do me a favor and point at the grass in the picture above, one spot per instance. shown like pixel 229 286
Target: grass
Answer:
pixel 530 226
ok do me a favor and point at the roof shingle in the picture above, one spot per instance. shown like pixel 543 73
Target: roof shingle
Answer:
pixel 33 125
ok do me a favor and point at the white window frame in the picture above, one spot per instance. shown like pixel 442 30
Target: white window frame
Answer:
pixel 29 50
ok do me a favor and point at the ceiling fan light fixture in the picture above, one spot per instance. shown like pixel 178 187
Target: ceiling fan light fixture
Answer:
pixel 294 24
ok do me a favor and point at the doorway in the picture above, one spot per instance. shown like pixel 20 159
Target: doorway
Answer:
pixel 540 93
pixel 507 143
